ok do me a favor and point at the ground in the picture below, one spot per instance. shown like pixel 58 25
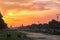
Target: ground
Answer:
pixel 42 36
pixel 30 36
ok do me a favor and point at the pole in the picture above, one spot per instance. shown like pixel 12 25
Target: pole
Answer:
pixel 57 18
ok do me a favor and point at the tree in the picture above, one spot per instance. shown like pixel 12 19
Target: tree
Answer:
pixel 3 25
pixel 45 26
pixel 53 24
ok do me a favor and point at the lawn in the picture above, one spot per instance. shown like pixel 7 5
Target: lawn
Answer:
pixel 13 35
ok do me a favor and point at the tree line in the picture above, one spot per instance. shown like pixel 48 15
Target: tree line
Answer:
pixel 51 26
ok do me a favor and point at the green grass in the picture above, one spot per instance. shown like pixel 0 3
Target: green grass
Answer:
pixel 3 35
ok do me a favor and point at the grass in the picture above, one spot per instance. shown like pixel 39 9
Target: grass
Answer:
pixel 3 35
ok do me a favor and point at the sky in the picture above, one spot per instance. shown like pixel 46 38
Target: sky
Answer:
pixel 27 12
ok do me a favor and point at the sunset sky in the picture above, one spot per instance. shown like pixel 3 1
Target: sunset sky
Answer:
pixel 26 12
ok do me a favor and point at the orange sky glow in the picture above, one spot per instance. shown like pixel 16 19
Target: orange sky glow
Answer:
pixel 26 12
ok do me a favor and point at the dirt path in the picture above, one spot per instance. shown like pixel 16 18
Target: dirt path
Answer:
pixel 40 36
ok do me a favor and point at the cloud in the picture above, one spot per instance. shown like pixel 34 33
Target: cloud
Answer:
pixel 29 5
pixel 22 5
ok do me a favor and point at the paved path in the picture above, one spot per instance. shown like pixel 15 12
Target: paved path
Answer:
pixel 40 36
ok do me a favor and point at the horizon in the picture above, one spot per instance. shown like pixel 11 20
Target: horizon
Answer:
pixel 18 12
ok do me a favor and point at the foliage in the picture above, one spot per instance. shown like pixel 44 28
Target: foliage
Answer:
pixel 3 25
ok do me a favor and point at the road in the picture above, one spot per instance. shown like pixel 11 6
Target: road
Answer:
pixel 40 36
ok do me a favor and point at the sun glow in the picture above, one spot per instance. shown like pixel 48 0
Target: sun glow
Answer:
pixel 21 16
pixel 23 12
pixel 10 14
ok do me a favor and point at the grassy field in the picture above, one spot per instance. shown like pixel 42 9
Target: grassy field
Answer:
pixel 3 35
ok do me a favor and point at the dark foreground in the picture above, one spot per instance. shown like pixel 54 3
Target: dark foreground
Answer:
pixel 28 36
pixel 13 35
pixel 41 36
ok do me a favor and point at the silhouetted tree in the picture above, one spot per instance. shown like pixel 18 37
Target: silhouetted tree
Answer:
pixel 45 26
pixel 54 24
pixel 3 25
